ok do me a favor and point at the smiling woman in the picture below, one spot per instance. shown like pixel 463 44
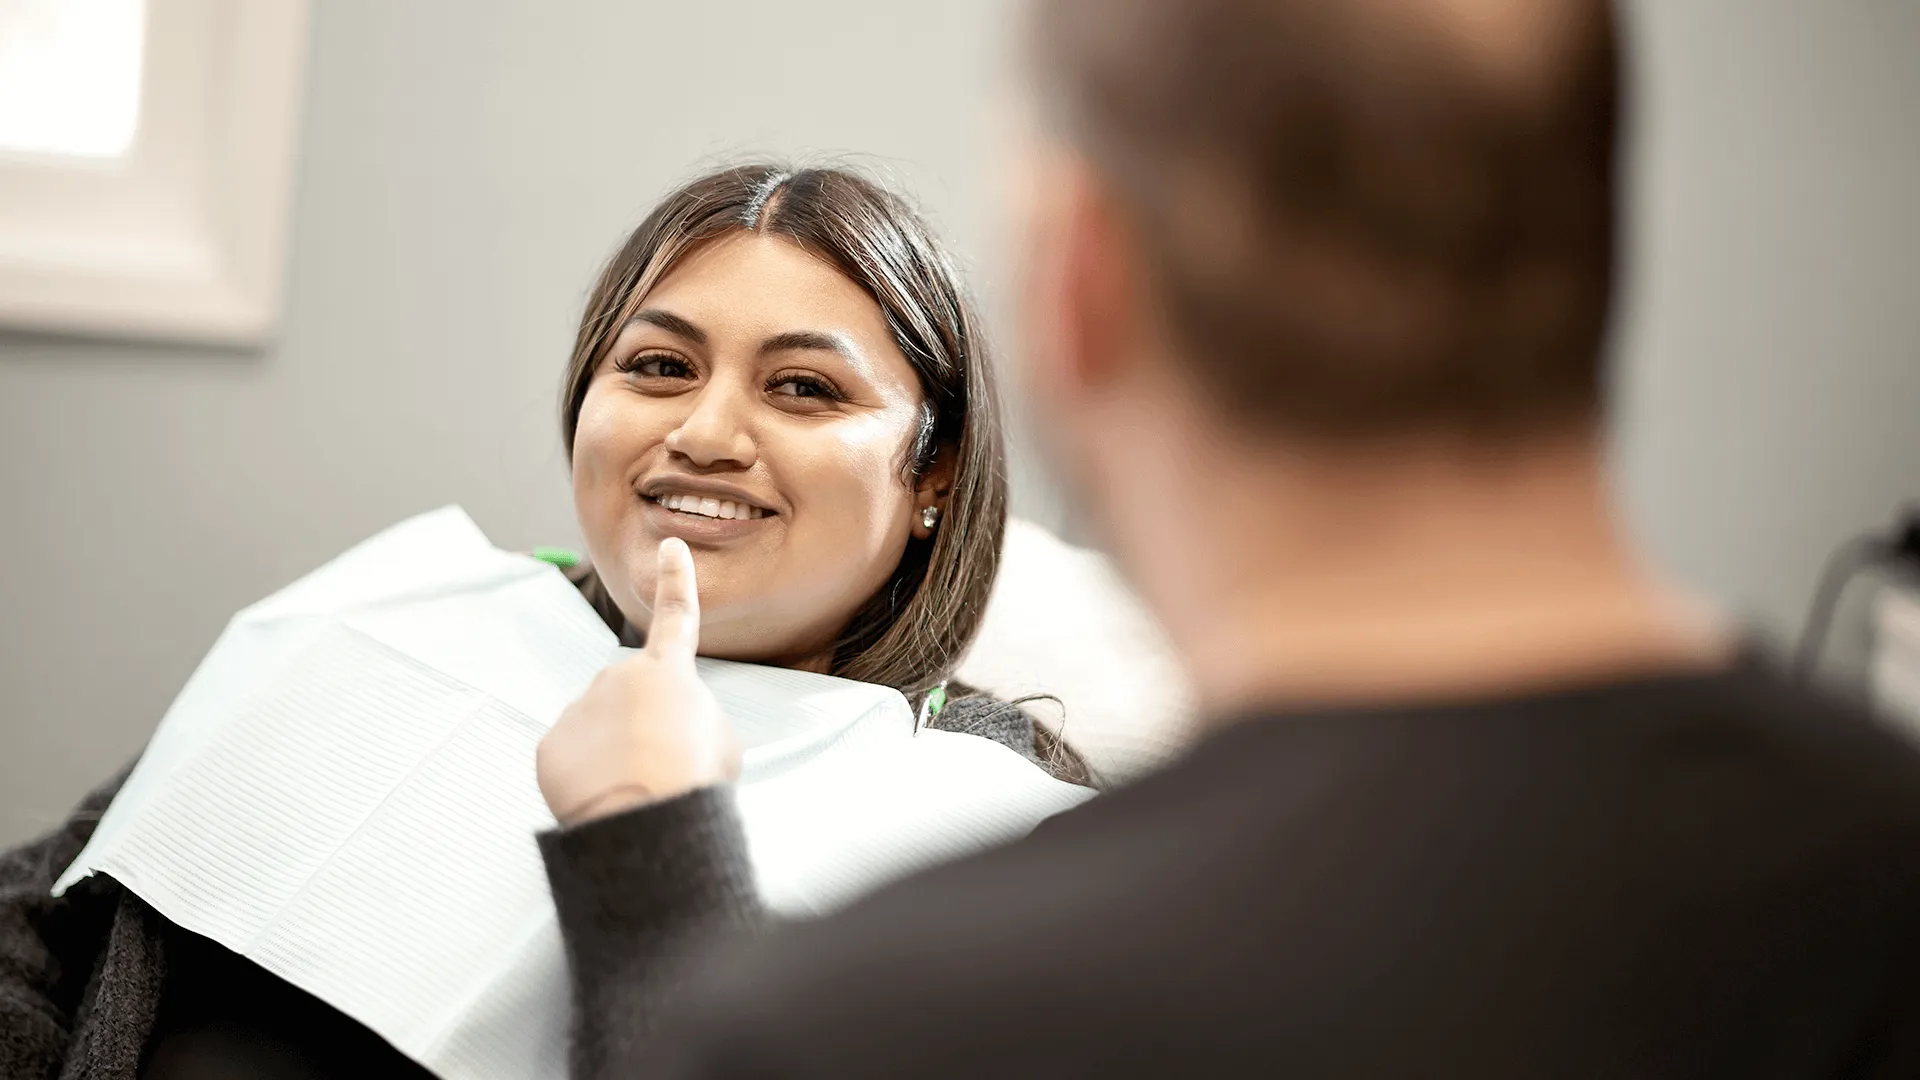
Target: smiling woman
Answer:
pixel 780 368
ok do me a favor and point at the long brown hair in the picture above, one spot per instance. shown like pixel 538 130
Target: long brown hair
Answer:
pixel 914 630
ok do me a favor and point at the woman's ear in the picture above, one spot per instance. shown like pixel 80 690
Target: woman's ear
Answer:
pixel 930 492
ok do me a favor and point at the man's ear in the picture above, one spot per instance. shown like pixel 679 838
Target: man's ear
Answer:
pixel 932 490
pixel 1103 263
pixel 1082 267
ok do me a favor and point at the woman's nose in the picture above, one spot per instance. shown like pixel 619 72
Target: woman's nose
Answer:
pixel 714 434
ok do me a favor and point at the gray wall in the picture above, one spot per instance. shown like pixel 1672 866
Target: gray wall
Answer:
pixel 1770 401
pixel 466 165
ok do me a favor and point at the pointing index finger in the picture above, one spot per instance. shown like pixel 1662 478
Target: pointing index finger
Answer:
pixel 675 632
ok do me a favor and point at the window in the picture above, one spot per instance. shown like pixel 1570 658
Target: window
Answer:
pixel 146 160
pixel 70 76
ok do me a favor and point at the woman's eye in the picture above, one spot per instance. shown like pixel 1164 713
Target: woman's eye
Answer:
pixel 799 386
pixel 657 366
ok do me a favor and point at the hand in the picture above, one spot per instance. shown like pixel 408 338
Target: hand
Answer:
pixel 647 729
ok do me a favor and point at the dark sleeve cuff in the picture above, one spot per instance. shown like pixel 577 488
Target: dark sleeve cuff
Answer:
pixel 651 870
pixel 639 895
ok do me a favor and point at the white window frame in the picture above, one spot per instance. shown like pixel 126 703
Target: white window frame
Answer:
pixel 183 238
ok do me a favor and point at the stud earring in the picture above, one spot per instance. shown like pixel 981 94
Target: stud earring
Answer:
pixel 929 517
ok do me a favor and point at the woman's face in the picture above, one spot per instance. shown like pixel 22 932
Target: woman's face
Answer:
pixel 757 408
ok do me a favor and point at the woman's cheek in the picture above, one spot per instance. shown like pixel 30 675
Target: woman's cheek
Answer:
pixel 607 443
pixel 862 495
pixel 590 465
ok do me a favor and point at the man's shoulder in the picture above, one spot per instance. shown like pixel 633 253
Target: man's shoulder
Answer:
pixel 1275 816
pixel 1803 743
pixel 1378 886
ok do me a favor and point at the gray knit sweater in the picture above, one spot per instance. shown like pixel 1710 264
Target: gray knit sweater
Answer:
pixel 81 976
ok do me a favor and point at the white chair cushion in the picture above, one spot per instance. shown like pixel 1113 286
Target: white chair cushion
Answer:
pixel 1061 623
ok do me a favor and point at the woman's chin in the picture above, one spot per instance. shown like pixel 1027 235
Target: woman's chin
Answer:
pixel 732 625
pixel 749 645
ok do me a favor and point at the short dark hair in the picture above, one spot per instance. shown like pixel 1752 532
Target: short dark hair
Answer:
pixel 911 634
pixel 1355 226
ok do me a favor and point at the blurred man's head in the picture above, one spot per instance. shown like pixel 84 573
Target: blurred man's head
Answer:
pixel 1352 218
pixel 1320 287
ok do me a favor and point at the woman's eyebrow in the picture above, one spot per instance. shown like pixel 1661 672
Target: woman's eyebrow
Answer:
pixel 814 340
pixel 671 323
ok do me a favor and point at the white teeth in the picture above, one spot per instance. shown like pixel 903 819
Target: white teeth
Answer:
pixel 714 508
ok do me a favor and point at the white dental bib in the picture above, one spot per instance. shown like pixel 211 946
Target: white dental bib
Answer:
pixel 344 792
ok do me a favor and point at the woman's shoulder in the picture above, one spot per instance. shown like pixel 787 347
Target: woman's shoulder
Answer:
pixel 972 712
pixel 968 711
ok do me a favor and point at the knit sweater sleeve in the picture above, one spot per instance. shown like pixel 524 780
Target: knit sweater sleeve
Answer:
pixel 639 895
pixel 47 946
pixel 644 895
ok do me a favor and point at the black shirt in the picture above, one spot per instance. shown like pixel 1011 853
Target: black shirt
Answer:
pixel 223 1017
pixel 1687 876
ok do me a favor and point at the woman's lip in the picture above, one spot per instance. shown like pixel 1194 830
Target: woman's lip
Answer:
pixel 697 528
pixel 668 485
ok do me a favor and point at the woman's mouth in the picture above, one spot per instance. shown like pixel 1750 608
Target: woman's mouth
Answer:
pixel 703 514
pixel 702 506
